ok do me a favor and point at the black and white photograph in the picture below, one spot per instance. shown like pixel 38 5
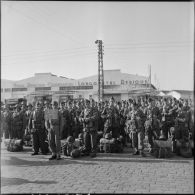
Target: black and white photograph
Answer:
pixel 97 97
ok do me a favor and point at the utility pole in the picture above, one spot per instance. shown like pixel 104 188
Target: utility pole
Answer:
pixel 149 67
pixel 100 71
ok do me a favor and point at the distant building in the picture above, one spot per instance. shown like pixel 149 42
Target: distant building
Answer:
pixel 48 86
pixel 184 94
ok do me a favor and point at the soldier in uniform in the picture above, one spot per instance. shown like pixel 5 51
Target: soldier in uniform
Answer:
pixel 6 122
pixel 72 114
pixel 89 117
pixel 112 121
pixel 54 132
pixel 17 124
pixel 38 130
pixel 181 125
pixel 65 121
pixel 137 132
pixel 26 120
pixel 167 119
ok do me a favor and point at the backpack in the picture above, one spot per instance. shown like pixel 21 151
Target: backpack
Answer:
pixel 162 149
pixel 162 152
pixel 110 146
pixel 185 150
pixel 15 145
pixel 75 153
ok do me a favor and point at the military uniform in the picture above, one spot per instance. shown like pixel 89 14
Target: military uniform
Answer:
pixel 17 124
pixel 65 121
pixel 181 126
pixel 6 123
pixel 54 132
pixel 89 118
pixel 112 121
pixel 38 131
pixel 167 120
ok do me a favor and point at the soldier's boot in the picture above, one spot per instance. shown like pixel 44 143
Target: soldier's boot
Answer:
pixel 58 157
pixel 142 154
pixel 136 152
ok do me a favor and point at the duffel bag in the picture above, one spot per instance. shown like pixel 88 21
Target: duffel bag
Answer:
pixel 75 153
pixel 15 145
pixel 110 146
pixel 186 150
pixel 162 152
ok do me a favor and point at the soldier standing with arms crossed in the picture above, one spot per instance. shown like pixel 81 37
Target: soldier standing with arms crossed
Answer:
pixel 54 131
pixel 89 117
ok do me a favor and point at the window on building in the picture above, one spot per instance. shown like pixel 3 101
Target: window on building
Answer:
pixel 76 87
pixel 42 88
pixel 19 89
pixel 122 82
pixel 8 89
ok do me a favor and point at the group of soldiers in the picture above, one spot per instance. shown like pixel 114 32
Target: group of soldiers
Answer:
pixel 133 120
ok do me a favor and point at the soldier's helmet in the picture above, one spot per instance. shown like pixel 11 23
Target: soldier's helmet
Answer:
pixel 108 136
pixel 46 102
pixel 55 103
pixel 70 139
pixel 80 136
pixel 38 104
pixel 87 101
pixel 62 103
pixel 29 105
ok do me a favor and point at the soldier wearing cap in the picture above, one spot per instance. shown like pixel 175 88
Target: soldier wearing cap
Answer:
pixel 38 130
pixel 65 121
pixel 54 132
pixel 72 115
pixel 110 115
pixel 181 125
pixel 137 132
pixel 6 122
pixel 17 123
pixel 27 119
pixel 89 117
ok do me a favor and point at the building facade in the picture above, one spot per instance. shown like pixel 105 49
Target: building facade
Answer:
pixel 44 86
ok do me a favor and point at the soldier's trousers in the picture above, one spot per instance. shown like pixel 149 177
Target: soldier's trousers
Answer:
pixel 64 131
pixel 38 141
pixel 54 139
pixel 181 131
pixel 137 139
pixel 17 132
pixel 166 128
pixel 7 131
pixel 90 141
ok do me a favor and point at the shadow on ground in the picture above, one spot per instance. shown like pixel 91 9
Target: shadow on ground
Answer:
pixel 15 161
pixel 131 158
pixel 19 181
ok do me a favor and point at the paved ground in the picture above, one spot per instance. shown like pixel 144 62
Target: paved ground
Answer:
pixel 107 173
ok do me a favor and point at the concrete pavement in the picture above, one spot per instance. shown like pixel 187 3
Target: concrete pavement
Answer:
pixel 107 173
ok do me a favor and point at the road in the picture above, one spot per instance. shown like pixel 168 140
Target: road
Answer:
pixel 107 173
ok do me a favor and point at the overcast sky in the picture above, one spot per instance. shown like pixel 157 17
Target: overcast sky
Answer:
pixel 59 37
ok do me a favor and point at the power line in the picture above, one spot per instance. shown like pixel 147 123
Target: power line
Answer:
pixel 69 37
